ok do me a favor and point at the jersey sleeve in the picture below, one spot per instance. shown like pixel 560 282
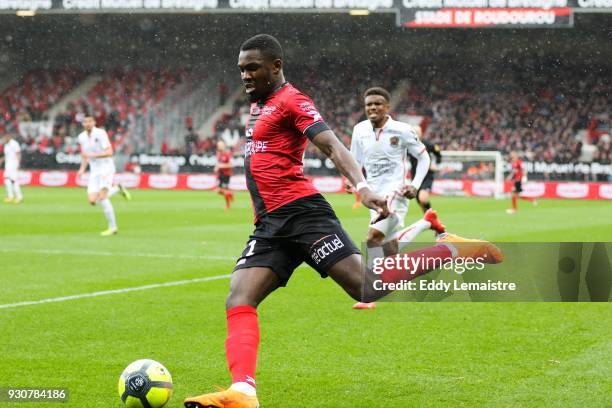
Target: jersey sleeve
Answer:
pixel 305 117
pixel 16 147
pixel 414 146
pixel 356 150
pixel 104 140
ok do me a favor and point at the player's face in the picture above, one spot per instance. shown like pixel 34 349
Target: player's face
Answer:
pixel 220 146
pixel 376 108
pixel 88 123
pixel 257 73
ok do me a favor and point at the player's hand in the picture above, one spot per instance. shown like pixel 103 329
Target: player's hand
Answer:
pixel 80 173
pixel 409 192
pixel 374 202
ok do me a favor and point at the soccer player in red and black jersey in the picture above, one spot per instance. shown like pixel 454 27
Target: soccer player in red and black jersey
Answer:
pixel 224 172
pixel 293 222
pixel 516 175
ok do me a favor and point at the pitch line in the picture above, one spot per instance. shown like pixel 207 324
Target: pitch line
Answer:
pixel 112 292
pixel 108 253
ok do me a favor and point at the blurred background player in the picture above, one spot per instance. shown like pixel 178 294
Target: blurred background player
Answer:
pixel 12 159
pixel 224 172
pixel 97 151
pixel 435 156
pixel 380 145
pixel 516 175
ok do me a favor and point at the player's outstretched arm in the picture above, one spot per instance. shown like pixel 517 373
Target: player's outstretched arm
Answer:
pixel 329 144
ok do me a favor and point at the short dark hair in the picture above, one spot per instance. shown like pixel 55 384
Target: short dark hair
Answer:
pixel 378 91
pixel 269 46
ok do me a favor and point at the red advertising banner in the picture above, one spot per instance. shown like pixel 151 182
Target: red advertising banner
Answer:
pixel 202 182
pixel 487 17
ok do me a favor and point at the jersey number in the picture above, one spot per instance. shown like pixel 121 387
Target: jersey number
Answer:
pixel 251 250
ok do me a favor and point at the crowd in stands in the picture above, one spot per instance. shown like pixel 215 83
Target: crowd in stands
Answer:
pixel 531 108
pixel 122 102
pixel 534 107
pixel 27 100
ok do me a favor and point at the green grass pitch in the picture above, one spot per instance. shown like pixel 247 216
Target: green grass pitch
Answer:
pixel 315 350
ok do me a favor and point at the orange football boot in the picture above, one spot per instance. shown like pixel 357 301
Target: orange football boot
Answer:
pixel 223 399
pixel 473 248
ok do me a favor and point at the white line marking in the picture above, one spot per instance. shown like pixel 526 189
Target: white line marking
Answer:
pixel 113 292
pixel 107 253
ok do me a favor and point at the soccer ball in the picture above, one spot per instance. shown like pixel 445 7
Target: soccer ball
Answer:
pixel 145 384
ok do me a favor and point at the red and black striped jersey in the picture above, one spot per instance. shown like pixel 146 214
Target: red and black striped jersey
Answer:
pixel 517 170
pixel 277 134
pixel 224 158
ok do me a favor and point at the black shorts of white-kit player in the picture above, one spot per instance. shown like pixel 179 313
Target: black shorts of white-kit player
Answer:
pixel 305 230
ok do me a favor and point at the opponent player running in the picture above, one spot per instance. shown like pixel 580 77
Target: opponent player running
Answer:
pixel 12 159
pixel 380 146
pixel 96 150
pixel 516 175
pixel 293 222
pixel 224 172
pixel 436 157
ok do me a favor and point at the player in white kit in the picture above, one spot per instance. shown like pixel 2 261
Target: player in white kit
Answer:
pixel 12 160
pixel 380 145
pixel 97 151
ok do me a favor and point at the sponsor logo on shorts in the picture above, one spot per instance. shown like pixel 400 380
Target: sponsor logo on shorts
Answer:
pixel 325 247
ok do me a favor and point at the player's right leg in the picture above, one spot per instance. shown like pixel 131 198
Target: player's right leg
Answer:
pixel 357 280
pixel 10 195
pixel 248 288
pixel 97 192
pixel 378 245
pixel 423 199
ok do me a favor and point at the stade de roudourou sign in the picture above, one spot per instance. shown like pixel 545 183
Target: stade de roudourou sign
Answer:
pixel 410 13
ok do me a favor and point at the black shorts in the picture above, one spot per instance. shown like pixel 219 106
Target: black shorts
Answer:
pixel 427 181
pixel 224 180
pixel 518 186
pixel 305 230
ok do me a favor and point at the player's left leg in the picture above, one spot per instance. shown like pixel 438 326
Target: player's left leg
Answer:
pixel 119 188
pixel 430 221
pixel 423 199
pixel 17 189
pixel 109 213
pixel 377 243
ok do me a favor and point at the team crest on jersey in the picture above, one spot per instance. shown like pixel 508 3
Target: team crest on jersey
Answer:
pixel 394 141
pixel 255 110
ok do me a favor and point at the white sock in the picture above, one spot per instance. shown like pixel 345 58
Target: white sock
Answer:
pixel 109 213
pixel 17 189
pixel 9 188
pixel 373 253
pixel 244 388
pixel 408 234
pixel 113 190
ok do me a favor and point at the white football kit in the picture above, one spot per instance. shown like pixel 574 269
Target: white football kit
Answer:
pixel 11 162
pixel 101 170
pixel 382 153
